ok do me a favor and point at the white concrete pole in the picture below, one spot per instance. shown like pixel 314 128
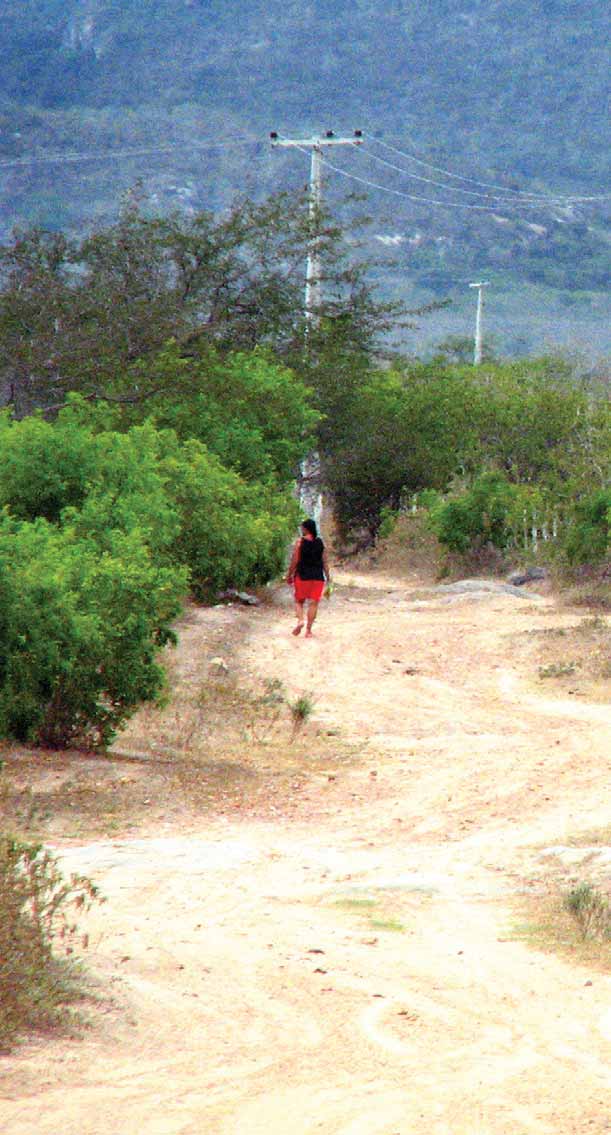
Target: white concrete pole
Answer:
pixel 313 288
pixel 313 285
pixel 477 345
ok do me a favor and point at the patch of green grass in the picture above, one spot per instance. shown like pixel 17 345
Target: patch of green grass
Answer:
pixel 379 916
pixel 387 924
pixel 356 904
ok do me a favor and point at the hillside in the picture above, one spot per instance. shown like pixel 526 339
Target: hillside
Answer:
pixel 512 96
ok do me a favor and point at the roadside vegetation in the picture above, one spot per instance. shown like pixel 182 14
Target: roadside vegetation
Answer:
pixel 570 918
pixel 41 979
pixel 160 397
pixel 161 389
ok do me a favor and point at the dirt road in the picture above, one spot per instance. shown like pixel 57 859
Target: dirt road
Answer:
pixel 351 965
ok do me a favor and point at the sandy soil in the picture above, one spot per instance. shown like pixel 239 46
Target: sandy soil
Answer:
pixel 351 965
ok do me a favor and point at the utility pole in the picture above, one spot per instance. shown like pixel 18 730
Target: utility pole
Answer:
pixel 313 288
pixel 477 347
pixel 308 485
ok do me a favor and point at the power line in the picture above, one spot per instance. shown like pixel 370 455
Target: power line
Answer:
pixel 529 198
pixel 473 181
pixel 212 143
pixel 429 200
pixel 111 155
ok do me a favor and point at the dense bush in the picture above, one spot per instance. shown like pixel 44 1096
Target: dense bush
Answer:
pixel 81 627
pixel 44 468
pixel 102 533
pixel 419 426
pixel 253 413
pixel 484 514
pixel 39 909
pixel 95 480
pixel 399 435
pixel 231 532
pixel 589 536
pixel 186 506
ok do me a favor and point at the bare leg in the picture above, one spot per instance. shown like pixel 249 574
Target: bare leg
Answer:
pixel 312 613
pixel 299 614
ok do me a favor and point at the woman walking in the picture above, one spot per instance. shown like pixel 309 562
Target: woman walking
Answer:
pixel 307 572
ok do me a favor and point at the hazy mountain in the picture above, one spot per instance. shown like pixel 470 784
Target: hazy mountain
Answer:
pixel 513 95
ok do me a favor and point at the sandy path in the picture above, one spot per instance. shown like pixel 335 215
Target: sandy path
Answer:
pixel 356 973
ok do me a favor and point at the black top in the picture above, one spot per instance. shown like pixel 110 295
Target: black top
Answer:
pixel 310 559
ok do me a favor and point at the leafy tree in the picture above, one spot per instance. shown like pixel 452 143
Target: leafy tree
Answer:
pixel 405 432
pixel 250 410
pixel 533 419
pixel 418 425
pixel 79 316
pixel 37 316
pixel 457 350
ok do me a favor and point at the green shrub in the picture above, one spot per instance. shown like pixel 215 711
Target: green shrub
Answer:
pixel 38 935
pixel 301 709
pixel 100 536
pixel 232 533
pixel 428 499
pixel 81 627
pixel 388 522
pixel 591 910
pixel 589 536
pixel 44 468
pixel 253 413
pixel 482 515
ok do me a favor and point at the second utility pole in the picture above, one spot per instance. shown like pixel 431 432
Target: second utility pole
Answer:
pixel 313 289
pixel 477 346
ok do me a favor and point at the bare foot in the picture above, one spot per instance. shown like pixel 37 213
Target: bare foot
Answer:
pixel 309 634
pixel 298 629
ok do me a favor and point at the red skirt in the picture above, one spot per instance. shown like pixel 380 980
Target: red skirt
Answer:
pixel 308 589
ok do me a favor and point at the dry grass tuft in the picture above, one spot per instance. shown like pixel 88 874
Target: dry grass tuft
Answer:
pixel 579 653
pixel 40 976
pixel 590 909
pixel 549 925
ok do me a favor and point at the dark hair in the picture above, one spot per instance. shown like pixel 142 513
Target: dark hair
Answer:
pixel 310 526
